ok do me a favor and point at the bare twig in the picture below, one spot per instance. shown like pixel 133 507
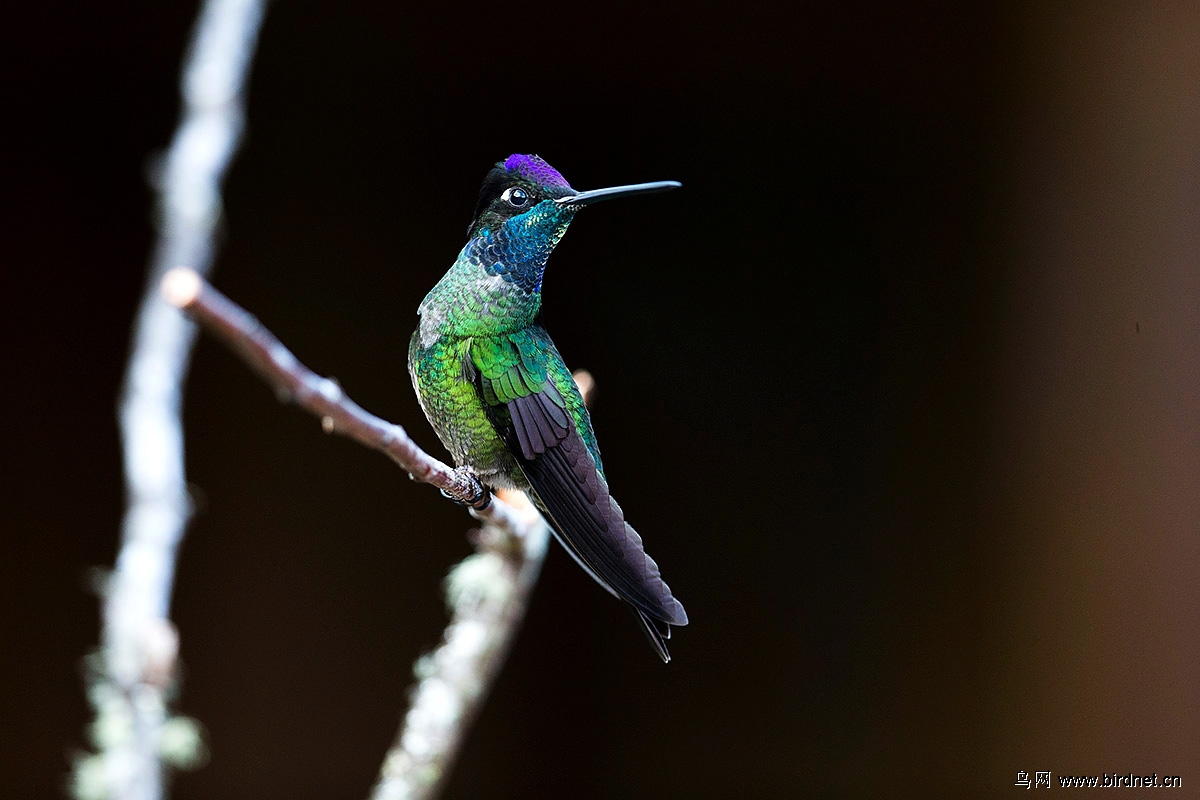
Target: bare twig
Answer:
pixel 293 382
pixel 487 593
pixel 133 672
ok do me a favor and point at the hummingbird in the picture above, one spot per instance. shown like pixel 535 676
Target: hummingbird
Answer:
pixel 496 391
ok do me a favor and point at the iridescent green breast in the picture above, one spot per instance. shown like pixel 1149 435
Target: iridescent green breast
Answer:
pixel 441 376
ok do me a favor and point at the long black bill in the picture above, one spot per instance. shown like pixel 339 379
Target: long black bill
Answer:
pixel 592 196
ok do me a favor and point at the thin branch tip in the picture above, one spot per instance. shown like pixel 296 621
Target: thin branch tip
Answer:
pixel 181 286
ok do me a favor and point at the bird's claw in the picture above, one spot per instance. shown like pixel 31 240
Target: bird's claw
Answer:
pixel 478 501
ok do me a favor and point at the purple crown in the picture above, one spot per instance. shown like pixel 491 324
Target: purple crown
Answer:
pixel 533 168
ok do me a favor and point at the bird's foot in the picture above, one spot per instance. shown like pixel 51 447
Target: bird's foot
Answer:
pixel 482 497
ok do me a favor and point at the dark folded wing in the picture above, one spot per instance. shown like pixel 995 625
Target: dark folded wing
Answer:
pixel 587 518
pixel 535 421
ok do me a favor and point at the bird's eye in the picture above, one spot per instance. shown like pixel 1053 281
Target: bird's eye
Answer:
pixel 515 197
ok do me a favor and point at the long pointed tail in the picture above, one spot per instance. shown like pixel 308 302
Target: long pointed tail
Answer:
pixel 657 632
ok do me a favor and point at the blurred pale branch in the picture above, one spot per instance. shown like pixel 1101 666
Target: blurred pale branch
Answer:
pixel 132 676
pixel 487 594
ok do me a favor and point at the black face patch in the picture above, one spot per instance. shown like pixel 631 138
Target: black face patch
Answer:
pixel 492 210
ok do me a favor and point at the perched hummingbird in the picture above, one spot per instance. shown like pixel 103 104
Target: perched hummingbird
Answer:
pixel 501 399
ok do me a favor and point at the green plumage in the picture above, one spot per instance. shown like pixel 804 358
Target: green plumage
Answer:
pixel 454 408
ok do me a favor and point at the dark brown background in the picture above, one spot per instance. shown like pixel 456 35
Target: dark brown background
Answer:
pixel 903 389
